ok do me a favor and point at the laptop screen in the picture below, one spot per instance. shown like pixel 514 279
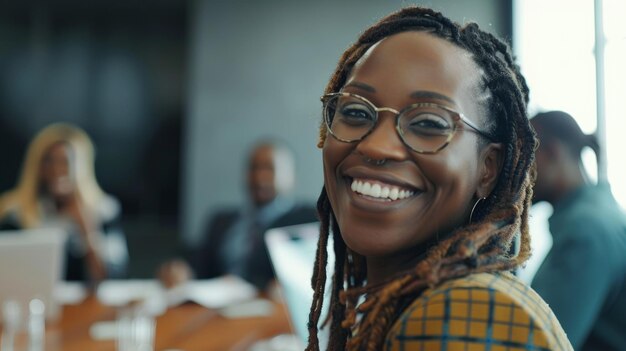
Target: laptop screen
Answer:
pixel 31 263
pixel 292 251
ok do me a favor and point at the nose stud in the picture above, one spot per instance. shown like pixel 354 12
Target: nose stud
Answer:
pixel 375 162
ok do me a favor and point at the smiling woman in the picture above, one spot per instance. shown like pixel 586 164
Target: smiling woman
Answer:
pixel 428 168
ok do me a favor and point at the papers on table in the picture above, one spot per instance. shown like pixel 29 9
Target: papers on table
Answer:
pixel 148 295
pixel 123 292
pixel 213 293
pixel 69 293
pixel 248 309
pixel 234 297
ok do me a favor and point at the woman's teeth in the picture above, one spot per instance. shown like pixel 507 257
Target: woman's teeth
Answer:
pixel 380 191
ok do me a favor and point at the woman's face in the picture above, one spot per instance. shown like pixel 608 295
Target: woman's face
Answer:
pixel 57 176
pixel 401 70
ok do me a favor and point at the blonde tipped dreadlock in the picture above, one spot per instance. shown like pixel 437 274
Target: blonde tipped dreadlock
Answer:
pixel 482 246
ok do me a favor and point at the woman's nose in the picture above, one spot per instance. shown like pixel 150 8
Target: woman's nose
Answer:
pixel 383 142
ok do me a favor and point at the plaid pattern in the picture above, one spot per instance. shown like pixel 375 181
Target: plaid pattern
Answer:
pixel 483 311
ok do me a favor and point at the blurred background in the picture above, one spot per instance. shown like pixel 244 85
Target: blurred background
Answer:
pixel 174 93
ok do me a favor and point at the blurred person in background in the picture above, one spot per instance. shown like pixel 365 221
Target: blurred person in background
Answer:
pixel 233 240
pixel 58 189
pixel 583 278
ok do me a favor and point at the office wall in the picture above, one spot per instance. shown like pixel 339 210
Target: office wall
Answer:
pixel 257 69
pixel 117 69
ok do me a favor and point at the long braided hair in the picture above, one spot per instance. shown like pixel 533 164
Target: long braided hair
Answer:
pixel 481 246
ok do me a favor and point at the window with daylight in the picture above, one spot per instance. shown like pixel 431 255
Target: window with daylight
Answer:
pixel 573 56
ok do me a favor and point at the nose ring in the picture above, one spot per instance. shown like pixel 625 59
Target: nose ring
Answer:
pixel 375 162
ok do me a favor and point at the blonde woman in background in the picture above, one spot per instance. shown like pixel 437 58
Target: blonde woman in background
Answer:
pixel 58 188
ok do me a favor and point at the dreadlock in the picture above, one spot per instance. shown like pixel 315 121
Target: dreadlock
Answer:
pixel 481 246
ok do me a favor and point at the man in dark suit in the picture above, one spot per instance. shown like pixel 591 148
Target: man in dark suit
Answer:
pixel 233 240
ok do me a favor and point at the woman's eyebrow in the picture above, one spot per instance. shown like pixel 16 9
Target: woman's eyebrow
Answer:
pixel 431 95
pixel 423 94
pixel 361 86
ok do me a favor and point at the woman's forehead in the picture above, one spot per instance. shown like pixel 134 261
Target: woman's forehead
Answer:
pixel 419 61
pixel 407 51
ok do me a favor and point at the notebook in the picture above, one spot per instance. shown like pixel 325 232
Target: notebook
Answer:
pixel 31 265
pixel 292 252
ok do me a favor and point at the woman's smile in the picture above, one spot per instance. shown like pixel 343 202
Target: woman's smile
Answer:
pixel 377 189
pixel 372 189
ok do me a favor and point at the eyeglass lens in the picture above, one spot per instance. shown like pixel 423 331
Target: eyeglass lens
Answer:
pixel 423 127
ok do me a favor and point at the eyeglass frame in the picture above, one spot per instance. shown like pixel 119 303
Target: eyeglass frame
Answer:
pixel 456 116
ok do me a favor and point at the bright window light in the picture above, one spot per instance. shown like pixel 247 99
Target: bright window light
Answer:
pixel 556 57
pixel 554 42
pixel 615 85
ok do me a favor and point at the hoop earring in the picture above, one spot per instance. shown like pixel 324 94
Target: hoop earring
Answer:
pixel 473 208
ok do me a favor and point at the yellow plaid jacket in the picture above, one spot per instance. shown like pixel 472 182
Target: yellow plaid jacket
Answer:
pixel 479 312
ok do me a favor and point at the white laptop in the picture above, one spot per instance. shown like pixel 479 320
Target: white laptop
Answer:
pixel 292 252
pixel 31 265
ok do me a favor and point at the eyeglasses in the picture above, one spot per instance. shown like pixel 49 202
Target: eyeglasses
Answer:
pixel 425 127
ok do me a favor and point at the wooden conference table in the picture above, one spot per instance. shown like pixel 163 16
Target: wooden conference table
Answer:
pixel 185 327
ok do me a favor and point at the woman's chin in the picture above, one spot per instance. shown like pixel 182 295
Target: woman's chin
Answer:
pixel 368 244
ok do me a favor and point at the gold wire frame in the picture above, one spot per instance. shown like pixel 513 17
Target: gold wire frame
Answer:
pixel 456 115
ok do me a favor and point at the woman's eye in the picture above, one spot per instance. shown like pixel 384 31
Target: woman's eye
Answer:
pixel 356 112
pixel 430 123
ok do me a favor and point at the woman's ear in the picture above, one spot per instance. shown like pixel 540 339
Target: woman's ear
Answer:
pixel 491 159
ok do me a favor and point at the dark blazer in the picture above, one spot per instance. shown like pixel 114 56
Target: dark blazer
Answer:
pixel 206 262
